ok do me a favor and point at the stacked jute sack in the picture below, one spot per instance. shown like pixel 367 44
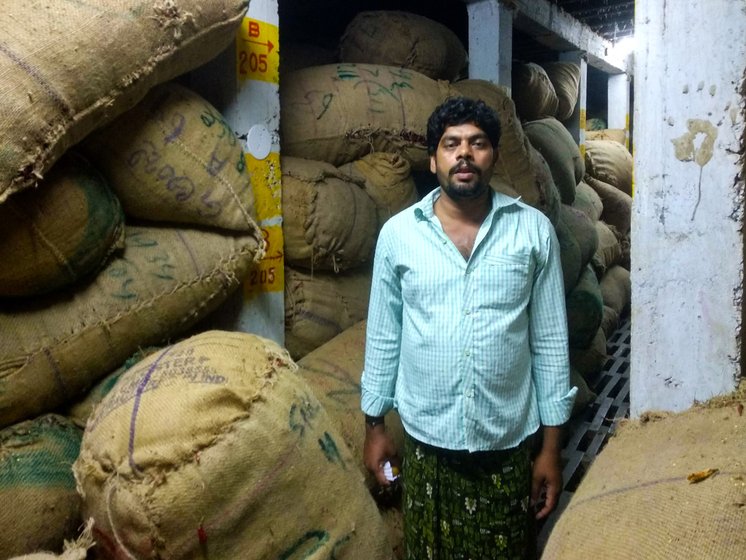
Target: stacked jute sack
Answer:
pixel 665 486
pixel 125 217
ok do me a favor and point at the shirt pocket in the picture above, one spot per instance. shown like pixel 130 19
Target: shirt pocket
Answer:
pixel 505 280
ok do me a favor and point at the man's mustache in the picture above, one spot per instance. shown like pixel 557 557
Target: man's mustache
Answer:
pixel 464 168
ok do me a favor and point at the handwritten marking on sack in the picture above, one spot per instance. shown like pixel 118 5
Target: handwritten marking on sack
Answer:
pixel 347 386
pixel 331 451
pixel 380 89
pixel 176 366
pixel 311 542
pixel 155 262
pixel 303 414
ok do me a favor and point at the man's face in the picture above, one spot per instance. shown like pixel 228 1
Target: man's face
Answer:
pixel 464 161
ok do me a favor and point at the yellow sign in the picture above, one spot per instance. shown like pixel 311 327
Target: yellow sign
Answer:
pixel 267 185
pixel 269 274
pixel 257 56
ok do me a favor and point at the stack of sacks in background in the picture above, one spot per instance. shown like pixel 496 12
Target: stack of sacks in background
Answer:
pixel 83 285
pixel 594 216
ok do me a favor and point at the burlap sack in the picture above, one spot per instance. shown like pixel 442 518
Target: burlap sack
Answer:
pixel 588 362
pixel 609 321
pixel 340 112
pixel 560 151
pixel 610 162
pixel 565 78
pixel 333 371
pixel 388 181
pixel 618 135
pixel 404 39
pixel 217 444
pixel 329 222
pixel 583 397
pixel 609 251
pixel 570 255
pixel 636 501
pixel 584 309
pixel 393 519
pixel 588 201
pixel 533 92
pixel 616 289
pixel 53 236
pixel 617 205
pixel 583 230
pixel 63 74
pixel 320 306
pixel 80 411
pixel 73 550
pixel 41 507
pixel 174 158
pixel 53 348
pixel 519 164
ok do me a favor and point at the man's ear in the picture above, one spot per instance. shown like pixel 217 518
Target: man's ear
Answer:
pixel 495 157
pixel 432 164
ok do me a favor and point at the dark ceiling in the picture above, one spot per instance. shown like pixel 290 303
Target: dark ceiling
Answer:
pixel 612 19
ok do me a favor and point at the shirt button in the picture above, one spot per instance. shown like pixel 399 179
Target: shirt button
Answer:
pixel 468 311
pixel 468 353
pixel 470 393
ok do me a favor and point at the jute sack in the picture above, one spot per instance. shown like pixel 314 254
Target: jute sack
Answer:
pixel 52 236
pixel 584 395
pixel 533 92
pixel 72 550
pixel 565 77
pixel 320 306
pixel 519 164
pixel 616 289
pixel 396 38
pixel 329 222
pixel 609 251
pixel 588 362
pixel 588 201
pixel 636 500
pixel 62 78
pixel 610 162
pixel 80 411
pixel 340 112
pixel 174 158
pixel 37 486
pixel 570 255
pixel 388 181
pixel 560 151
pixel 617 205
pixel 583 230
pixel 609 321
pixel 584 309
pixel 616 134
pixel 216 443
pixel 394 521
pixel 333 371
pixel 53 349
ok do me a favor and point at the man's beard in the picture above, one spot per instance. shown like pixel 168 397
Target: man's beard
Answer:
pixel 465 191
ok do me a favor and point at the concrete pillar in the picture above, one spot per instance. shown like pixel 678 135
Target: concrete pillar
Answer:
pixel 619 104
pixel 576 123
pixel 490 41
pixel 244 84
pixel 687 222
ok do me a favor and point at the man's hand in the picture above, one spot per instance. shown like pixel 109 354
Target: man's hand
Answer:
pixel 379 448
pixel 547 473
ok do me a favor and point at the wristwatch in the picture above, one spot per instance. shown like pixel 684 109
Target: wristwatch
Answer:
pixel 373 421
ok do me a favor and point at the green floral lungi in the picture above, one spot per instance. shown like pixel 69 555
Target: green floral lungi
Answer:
pixel 466 506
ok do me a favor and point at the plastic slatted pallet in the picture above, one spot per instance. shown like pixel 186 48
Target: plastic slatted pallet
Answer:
pixel 590 431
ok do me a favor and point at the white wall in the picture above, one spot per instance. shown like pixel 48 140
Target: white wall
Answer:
pixel 687 245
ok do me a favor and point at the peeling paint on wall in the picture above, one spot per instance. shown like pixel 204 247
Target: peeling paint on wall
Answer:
pixel 684 149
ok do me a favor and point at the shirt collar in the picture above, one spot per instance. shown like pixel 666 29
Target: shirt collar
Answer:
pixel 423 210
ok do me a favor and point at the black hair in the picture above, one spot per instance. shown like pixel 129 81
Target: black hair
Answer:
pixel 462 110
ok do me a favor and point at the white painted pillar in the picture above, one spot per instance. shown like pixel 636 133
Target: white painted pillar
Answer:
pixel 576 123
pixel 619 103
pixel 687 240
pixel 490 41
pixel 244 84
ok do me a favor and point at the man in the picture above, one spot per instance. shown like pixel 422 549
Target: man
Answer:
pixel 467 339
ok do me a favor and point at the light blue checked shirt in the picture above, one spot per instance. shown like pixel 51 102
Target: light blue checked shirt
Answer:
pixel 473 354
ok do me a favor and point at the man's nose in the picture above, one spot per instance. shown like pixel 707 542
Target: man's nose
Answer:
pixel 464 150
